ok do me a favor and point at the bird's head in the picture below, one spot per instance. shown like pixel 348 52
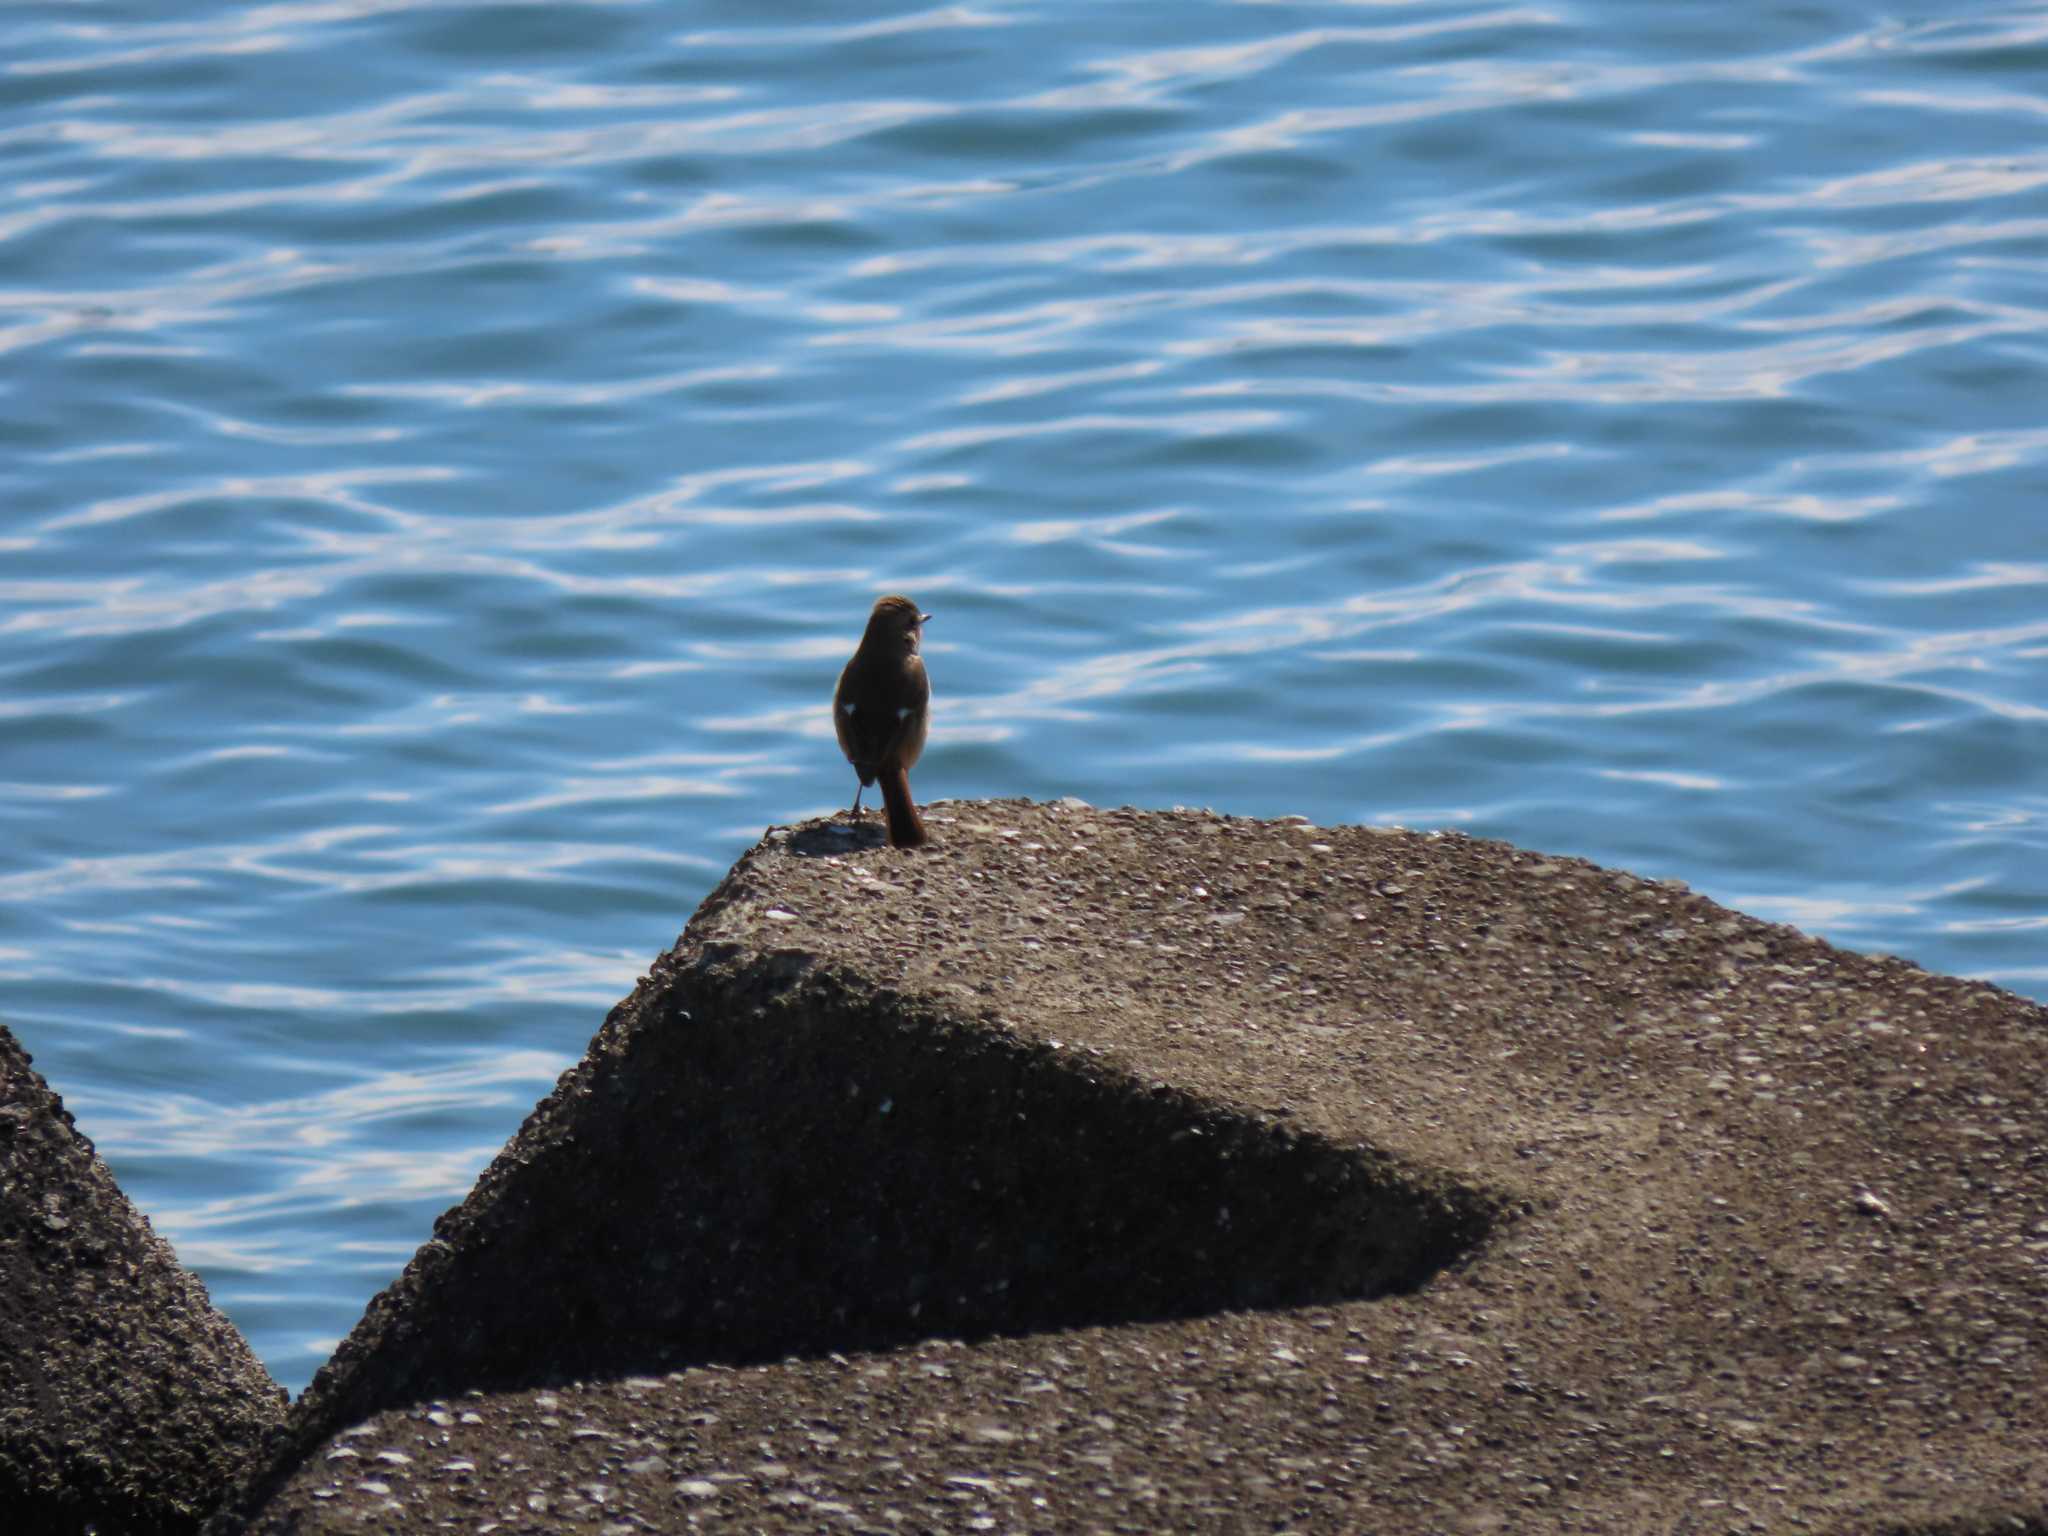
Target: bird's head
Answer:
pixel 896 618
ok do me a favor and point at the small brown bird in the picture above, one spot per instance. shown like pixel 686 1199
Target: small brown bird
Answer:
pixel 882 709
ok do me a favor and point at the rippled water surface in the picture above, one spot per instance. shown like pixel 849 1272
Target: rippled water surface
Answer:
pixel 446 451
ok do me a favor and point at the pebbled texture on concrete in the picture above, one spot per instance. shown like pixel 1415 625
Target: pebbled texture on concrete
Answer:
pixel 126 1401
pixel 1121 1170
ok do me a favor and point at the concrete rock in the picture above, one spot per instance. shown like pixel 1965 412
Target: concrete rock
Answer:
pixel 1181 1172
pixel 126 1401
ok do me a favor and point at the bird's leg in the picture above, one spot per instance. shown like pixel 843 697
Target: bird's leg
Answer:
pixel 859 789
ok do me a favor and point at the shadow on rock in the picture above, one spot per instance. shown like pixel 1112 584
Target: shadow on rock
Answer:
pixel 750 1164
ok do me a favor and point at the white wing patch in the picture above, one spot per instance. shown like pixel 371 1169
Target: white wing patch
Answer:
pixel 849 708
pixel 903 714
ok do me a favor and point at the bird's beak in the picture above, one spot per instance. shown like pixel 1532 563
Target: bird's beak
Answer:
pixel 924 618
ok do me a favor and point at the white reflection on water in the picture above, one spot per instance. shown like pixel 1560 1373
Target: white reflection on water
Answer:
pixel 323 1152
pixel 176 868
pixel 579 791
pixel 52 791
pixel 335 488
pixel 222 1235
pixel 475 394
pixel 405 866
pixel 1838 914
pixel 1704 782
pixel 823 34
pixel 1805 506
pixel 175 1124
pixel 1975 579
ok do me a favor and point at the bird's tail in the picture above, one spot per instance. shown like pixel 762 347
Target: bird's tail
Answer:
pixel 905 829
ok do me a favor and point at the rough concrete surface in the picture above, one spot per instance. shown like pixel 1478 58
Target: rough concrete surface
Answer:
pixel 1108 1170
pixel 126 1401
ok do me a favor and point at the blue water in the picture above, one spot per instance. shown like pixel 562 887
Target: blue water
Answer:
pixel 447 449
